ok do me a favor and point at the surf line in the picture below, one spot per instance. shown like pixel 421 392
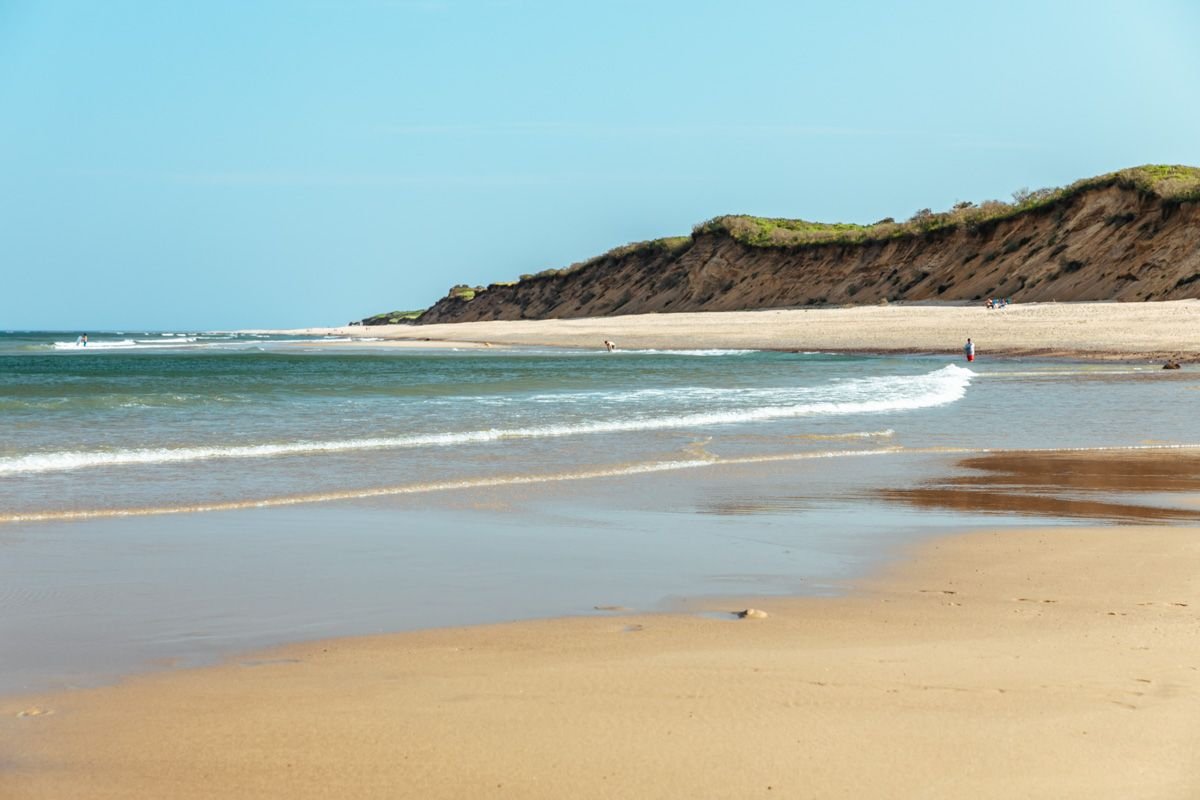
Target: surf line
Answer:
pixel 706 460
pixel 439 486
pixel 949 385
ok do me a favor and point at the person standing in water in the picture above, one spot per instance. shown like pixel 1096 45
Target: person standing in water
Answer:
pixel 610 346
pixel 969 350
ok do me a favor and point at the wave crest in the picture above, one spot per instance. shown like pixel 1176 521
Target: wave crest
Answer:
pixel 873 395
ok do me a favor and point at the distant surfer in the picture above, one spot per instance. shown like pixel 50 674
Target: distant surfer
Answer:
pixel 610 346
pixel 969 350
pixel 82 340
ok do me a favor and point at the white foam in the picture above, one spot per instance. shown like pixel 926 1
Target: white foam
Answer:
pixel 439 486
pixel 181 341
pixel 710 352
pixel 125 344
pixel 884 434
pixel 862 396
pixel 1057 373
pixel 516 480
pixel 739 397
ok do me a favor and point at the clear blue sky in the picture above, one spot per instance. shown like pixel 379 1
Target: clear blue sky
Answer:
pixel 233 163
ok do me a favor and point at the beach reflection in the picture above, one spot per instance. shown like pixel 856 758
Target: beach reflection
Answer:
pixel 1115 486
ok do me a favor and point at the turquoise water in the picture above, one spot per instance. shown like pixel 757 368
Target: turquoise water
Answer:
pixel 182 496
pixel 219 422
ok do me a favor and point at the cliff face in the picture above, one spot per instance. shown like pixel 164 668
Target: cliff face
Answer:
pixel 1109 243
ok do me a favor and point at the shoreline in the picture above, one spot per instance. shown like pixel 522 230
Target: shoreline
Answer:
pixel 974 652
pixel 1152 332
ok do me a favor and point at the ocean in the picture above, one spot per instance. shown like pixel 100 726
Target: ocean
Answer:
pixel 175 497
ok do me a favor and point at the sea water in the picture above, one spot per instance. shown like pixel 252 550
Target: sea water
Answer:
pixel 179 495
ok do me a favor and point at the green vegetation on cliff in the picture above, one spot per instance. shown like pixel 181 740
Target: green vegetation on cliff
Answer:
pixel 394 318
pixel 670 244
pixel 460 292
pixel 1172 183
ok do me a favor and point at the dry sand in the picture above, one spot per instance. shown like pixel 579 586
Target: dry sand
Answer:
pixel 1058 663
pixel 1150 331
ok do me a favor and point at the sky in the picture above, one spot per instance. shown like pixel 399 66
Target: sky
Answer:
pixel 170 164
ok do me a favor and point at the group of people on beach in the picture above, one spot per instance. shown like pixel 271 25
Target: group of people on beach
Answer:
pixel 998 302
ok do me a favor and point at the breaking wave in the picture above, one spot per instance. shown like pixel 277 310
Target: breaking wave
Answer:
pixel 874 395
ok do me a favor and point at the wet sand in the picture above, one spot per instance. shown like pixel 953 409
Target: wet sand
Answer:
pixel 1113 487
pixel 1054 663
pixel 1145 331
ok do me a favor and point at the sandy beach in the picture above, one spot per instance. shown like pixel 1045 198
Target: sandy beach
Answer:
pixel 1044 663
pixel 1032 664
pixel 1117 331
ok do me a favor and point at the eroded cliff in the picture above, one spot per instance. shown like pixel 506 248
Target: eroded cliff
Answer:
pixel 1109 240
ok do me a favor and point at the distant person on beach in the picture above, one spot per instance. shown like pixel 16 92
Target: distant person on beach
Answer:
pixel 969 350
pixel 610 346
pixel 82 340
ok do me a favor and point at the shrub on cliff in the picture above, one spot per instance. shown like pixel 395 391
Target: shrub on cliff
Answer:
pixel 1172 183
pixel 461 291
pixel 394 318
